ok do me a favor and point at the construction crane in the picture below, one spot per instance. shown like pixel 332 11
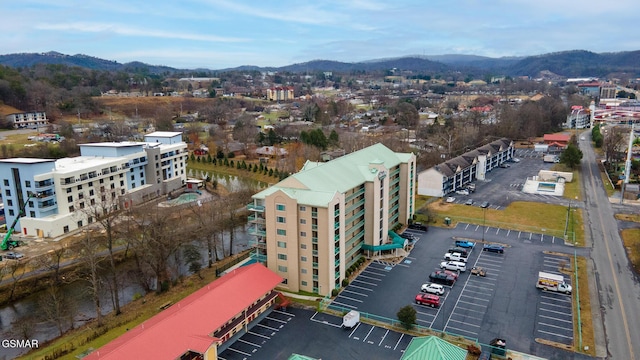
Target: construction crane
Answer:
pixel 8 244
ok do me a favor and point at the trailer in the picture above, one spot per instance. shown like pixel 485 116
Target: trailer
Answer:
pixel 552 282
pixel 350 319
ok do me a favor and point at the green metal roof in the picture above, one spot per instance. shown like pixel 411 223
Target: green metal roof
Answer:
pixel 300 357
pixel 317 182
pixel 432 348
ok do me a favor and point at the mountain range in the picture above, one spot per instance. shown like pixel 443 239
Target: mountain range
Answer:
pixel 573 63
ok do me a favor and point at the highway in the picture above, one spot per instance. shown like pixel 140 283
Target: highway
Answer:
pixel 618 287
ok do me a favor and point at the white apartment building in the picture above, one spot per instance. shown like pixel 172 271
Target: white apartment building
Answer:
pixel 31 120
pixel 55 195
pixel 312 226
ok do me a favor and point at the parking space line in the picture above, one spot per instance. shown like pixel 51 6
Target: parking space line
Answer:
pixel 466 323
pixel 354 329
pixel 383 272
pixel 385 335
pixel 467 309
pixel 497 230
pixel 477 228
pixel 274 319
pixel 359 287
pixel 364 282
pixel 555 318
pixel 267 327
pixel 467 316
pixel 369 333
pixel 353 292
pixel 284 313
pixel 249 343
pixel 508 232
pixel 566 300
pixel 369 277
pixel 554 305
pixel 260 335
pixel 554 334
pixel 530 234
pixel 401 336
pixel 345 305
pixel 466 226
pixel 472 297
pixel 238 351
pixel 519 232
pixel 467 331
pixel 349 298
pixel 554 311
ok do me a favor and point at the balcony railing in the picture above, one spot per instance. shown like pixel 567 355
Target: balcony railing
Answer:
pixel 252 207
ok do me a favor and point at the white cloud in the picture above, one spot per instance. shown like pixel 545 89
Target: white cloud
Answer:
pixel 119 29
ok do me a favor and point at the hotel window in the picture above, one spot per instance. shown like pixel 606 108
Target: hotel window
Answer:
pixel 303 208
pixel 303 258
pixel 303 246
pixel 280 207
pixel 281 219
pixel 282 257
pixel 282 244
pixel 282 232
pixel 303 221
pixel 282 268
pixel 303 283
pixel 303 271
pixel 303 234
pixel 6 182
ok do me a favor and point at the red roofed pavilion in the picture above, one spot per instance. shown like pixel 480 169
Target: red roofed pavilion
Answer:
pixel 194 327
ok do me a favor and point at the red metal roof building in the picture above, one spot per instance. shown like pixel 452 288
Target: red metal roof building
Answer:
pixel 194 327
pixel 558 140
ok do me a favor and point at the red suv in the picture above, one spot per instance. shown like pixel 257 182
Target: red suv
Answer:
pixel 428 299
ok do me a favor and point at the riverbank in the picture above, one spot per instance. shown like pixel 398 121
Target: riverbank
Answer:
pixel 89 337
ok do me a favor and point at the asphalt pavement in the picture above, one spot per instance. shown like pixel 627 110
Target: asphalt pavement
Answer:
pixel 618 287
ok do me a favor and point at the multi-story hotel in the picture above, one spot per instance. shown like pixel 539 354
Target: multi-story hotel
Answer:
pixel 52 194
pixel 312 226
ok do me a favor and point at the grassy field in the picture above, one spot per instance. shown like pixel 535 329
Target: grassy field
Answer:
pixel 628 217
pixel 631 240
pixel 586 321
pixel 572 189
pixel 525 216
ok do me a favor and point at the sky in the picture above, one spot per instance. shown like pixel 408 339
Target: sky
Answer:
pixel 219 34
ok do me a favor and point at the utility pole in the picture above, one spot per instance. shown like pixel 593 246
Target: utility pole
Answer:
pixel 627 165
pixel 484 222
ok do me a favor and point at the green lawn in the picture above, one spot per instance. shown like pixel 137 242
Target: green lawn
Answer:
pixel 524 216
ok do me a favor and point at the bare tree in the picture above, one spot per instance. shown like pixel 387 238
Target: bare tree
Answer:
pixel 15 269
pixel 88 252
pixel 209 219
pixel 56 307
pixel 233 205
pixel 104 211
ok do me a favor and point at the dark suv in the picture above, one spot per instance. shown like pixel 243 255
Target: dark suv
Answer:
pixel 493 248
pixel 441 278
pixel 418 226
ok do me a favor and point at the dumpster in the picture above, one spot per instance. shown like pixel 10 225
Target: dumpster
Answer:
pixel 447 221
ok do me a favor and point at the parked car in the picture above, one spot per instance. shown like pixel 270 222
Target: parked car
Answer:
pixel 499 346
pixel 454 266
pixel 469 202
pixel 463 192
pixel 453 274
pixel 465 244
pixel 442 278
pixel 432 288
pixel 485 204
pixel 13 255
pixel 409 236
pixel 478 271
pixel 471 187
pixel 451 199
pixel 418 226
pixel 455 257
pixel 504 165
pixel 462 251
pixel 428 299
pixel 493 248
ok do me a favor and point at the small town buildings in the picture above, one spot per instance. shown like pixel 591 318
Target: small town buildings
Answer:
pixel 28 120
pixel 556 142
pixel 280 93
pixel 579 118
pixel 312 226
pixel 199 326
pixel 456 173
pixel 52 195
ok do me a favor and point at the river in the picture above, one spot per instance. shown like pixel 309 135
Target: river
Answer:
pixel 27 312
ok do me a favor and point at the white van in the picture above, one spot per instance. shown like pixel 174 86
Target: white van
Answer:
pixel 453 266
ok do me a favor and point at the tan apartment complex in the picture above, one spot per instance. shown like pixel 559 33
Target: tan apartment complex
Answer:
pixel 312 226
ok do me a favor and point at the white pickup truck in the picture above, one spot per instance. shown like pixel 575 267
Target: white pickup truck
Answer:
pixel 455 257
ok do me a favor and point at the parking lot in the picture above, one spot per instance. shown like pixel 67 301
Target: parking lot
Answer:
pixel 285 332
pixel 505 303
pixel 504 185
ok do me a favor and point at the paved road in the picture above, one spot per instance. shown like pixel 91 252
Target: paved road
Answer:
pixel 618 287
